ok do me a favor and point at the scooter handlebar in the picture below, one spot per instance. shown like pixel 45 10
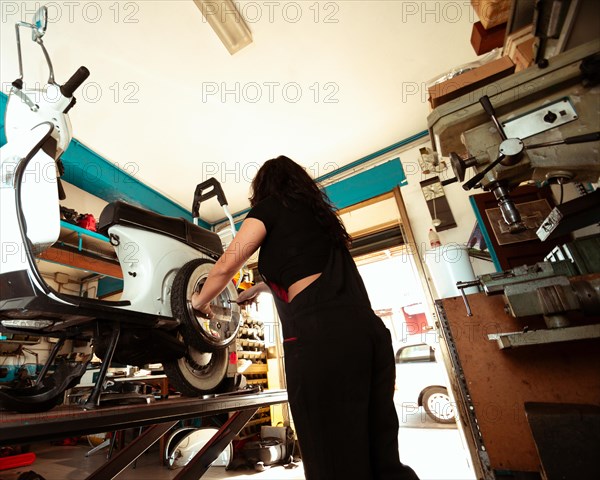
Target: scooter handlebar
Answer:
pixel 74 82
pixel 201 194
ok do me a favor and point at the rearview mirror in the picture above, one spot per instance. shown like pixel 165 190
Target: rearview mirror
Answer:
pixel 40 23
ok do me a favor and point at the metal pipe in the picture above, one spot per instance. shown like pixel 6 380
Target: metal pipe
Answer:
pixel 57 346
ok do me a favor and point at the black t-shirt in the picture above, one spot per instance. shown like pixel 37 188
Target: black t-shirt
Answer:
pixel 296 245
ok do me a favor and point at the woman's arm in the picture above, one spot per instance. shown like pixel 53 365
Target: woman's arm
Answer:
pixel 244 244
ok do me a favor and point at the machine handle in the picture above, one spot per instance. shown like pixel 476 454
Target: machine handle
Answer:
pixel 489 109
pixel 201 195
pixel 74 82
pixel 587 137
pixel 487 105
pixel 477 178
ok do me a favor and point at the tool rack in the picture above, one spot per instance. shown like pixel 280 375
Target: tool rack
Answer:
pixel 161 416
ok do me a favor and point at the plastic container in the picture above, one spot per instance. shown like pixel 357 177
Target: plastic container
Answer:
pixel 447 265
pixel 434 239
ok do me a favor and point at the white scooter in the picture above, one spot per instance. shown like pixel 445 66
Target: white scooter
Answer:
pixel 154 321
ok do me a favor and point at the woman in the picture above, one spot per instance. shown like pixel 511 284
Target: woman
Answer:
pixel 338 354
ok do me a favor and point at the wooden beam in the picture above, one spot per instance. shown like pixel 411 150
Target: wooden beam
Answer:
pixel 411 243
pixel 81 261
pixel 366 203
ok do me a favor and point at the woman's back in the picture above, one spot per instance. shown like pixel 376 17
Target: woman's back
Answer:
pixel 295 246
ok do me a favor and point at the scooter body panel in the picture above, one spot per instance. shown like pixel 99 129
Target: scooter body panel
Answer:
pixel 49 107
pixel 39 201
pixel 149 262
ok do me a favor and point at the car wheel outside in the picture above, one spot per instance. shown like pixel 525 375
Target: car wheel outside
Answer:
pixel 438 405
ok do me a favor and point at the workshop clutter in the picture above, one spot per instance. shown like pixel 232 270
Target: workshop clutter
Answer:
pixel 275 447
pixel 519 47
pixel 434 239
pixel 184 443
pixel 471 77
pixel 492 12
pixel 14 457
pixel 82 220
pixel 504 55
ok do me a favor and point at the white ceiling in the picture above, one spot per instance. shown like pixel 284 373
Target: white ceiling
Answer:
pixel 161 100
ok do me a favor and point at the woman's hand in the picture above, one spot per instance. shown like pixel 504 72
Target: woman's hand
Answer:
pixel 203 309
pixel 247 240
pixel 250 295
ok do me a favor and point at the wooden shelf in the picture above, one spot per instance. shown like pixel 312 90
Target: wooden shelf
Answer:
pixel 256 369
pixel 250 347
pixel 85 250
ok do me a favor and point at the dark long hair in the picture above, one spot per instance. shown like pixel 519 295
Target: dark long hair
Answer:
pixel 288 182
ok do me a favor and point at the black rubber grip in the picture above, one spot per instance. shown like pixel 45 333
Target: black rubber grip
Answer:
pixel 487 105
pixel 75 82
pixel 588 137
pixel 201 195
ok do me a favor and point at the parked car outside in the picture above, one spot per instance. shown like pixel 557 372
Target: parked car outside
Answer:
pixel 420 382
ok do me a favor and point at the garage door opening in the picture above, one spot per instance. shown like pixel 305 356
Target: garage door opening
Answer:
pixel 426 413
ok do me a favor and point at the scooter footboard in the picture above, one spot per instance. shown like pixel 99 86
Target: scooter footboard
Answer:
pixel 26 308
pixel 16 290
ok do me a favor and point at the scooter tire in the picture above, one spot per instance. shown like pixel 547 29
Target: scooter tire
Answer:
pixel 202 334
pixel 198 373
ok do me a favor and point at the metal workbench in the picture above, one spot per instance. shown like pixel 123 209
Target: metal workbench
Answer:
pixel 161 416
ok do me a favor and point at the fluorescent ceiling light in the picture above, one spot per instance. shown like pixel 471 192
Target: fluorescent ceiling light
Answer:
pixel 227 22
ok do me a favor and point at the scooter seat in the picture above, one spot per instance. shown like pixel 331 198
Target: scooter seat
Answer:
pixel 121 213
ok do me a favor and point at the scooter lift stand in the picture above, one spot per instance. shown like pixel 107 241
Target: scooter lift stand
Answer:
pixel 66 421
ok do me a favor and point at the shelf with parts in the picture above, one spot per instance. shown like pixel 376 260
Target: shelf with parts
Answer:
pixel 252 362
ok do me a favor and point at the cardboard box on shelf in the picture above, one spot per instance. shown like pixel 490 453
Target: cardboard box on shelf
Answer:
pixel 524 54
pixel 467 82
pixel 515 38
pixel 492 12
pixel 519 47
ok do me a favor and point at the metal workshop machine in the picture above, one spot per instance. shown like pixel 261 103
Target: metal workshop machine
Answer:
pixel 541 126
pixel 531 409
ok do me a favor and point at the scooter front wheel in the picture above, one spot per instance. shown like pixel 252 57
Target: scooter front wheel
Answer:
pixel 199 332
pixel 197 372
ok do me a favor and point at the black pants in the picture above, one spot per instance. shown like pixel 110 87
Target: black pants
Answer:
pixel 340 373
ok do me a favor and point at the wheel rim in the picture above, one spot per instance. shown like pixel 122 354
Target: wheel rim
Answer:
pixel 203 371
pixel 199 364
pixel 223 328
pixel 440 406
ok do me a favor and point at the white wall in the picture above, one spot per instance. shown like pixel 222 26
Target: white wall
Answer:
pixel 420 218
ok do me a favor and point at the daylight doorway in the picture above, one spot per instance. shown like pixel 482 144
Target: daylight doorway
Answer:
pixel 428 428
